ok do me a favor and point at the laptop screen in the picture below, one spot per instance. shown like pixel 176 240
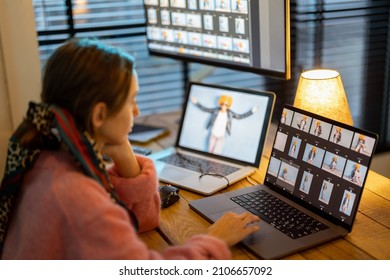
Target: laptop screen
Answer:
pixel 321 163
pixel 226 122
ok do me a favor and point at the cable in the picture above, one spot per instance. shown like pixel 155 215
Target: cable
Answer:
pixel 201 169
pixel 215 175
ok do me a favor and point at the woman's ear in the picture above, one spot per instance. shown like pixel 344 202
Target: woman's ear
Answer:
pixel 99 114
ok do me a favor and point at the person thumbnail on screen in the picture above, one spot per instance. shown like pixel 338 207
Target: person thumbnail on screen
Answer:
pixel 320 129
pixel 301 122
pixel 341 136
pixel 287 176
pixel 355 172
pixel 313 155
pixel 294 147
pixel 286 116
pixel 334 164
pixel 325 192
pixel 306 182
pixel 363 144
pixel 347 202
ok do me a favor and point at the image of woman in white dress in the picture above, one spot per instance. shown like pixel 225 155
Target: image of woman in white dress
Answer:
pixel 302 123
pixel 336 138
pixel 360 146
pixel 356 177
pixel 312 155
pixel 333 164
pixel 318 129
pixel 293 149
pixel 220 123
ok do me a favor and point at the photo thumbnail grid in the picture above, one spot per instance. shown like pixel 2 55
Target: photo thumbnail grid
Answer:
pixel 207 28
pixel 319 162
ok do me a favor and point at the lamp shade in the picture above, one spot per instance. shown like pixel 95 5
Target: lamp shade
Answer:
pixel 322 92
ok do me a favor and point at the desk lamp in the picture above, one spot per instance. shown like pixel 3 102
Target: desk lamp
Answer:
pixel 321 91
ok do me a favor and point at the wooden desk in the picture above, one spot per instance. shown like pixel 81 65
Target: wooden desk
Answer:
pixel 369 239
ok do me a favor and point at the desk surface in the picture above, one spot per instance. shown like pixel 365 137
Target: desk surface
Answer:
pixel 369 239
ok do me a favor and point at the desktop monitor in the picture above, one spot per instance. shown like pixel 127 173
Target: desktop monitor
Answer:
pixel 246 35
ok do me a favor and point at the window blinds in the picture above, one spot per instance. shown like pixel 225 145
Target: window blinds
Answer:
pixel 121 23
pixel 349 36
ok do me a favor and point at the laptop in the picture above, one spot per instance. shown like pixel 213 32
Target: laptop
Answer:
pixel 312 188
pixel 220 139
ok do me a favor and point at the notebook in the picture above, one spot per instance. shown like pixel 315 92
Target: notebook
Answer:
pixel 220 139
pixel 317 170
pixel 142 133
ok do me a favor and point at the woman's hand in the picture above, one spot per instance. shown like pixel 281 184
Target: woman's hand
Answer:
pixel 126 163
pixel 233 227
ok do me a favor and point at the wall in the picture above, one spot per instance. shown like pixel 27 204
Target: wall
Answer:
pixel 5 113
pixel 19 67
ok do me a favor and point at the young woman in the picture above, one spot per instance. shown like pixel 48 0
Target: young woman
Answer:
pixel 57 198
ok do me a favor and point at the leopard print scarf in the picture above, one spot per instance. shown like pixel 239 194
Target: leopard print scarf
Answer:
pixel 47 126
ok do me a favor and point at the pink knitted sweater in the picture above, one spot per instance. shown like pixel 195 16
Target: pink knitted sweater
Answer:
pixel 63 214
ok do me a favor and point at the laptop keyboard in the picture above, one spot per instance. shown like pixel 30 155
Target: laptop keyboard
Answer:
pixel 198 164
pixel 279 214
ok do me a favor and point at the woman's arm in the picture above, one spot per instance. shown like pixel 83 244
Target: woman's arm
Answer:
pixel 203 108
pixel 244 115
pixel 126 164
pixel 140 193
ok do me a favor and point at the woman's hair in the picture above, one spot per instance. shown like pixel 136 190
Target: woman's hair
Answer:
pixel 83 72
pixel 225 98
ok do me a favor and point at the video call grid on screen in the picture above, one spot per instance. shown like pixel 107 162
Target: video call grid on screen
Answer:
pixel 248 128
pixel 321 162
pixel 248 35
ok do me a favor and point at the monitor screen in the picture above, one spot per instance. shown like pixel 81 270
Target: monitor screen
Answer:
pixel 244 35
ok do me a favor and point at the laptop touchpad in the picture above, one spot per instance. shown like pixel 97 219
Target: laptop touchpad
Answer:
pixel 173 173
pixel 237 210
pixel 216 206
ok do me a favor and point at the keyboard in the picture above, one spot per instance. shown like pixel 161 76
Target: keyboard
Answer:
pixel 279 214
pixel 198 164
